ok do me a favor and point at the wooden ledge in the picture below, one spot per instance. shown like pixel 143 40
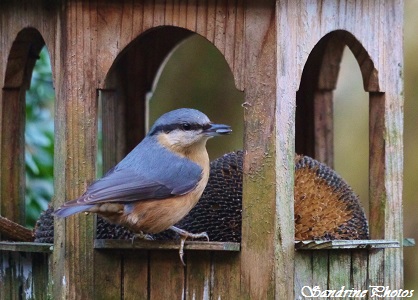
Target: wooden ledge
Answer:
pixel 352 244
pixel 161 245
pixel 26 247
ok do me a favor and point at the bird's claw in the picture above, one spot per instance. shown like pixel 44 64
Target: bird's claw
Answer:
pixel 142 236
pixel 184 235
pixel 193 236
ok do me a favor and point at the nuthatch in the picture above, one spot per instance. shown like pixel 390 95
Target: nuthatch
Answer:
pixel 159 181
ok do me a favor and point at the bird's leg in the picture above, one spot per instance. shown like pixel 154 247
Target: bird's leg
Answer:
pixel 183 237
pixel 142 236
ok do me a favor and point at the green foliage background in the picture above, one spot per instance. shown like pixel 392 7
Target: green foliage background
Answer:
pixel 39 140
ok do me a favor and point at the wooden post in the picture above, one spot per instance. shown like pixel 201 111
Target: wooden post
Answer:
pixel 307 37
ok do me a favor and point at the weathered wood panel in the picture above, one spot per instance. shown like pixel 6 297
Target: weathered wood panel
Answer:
pixel 12 158
pixel 198 275
pixel 135 275
pixel 222 23
pixel 23 275
pixel 166 279
pixel 25 27
pixel 357 25
pixel 377 189
pixel 76 138
pixel 267 229
pixel 18 72
pixel 226 276
pixel 303 273
pixel 359 265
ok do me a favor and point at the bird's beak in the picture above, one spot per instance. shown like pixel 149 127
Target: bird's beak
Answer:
pixel 217 129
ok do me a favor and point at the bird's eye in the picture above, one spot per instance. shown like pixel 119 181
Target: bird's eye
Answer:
pixel 186 126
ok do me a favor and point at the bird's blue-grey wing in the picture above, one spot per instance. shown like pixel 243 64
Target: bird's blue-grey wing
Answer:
pixel 123 184
pixel 126 185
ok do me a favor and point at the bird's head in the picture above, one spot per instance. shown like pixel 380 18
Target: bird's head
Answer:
pixel 182 129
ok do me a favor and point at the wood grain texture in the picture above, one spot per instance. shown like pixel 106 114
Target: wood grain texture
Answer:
pixel 357 25
pixel 107 275
pixel 19 63
pixel 226 278
pixel 26 247
pixel 303 273
pixel 320 268
pixel 166 279
pixel 267 236
pixel 198 275
pixel 359 265
pixel 108 267
pixel 339 270
pixel 77 110
pixel 346 244
pixel 324 127
pixel 135 276
pixel 23 275
pixel 222 23
pixel 14 231
pixel 377 188
pixel 12 158
pixel 25 27
pixel 166 245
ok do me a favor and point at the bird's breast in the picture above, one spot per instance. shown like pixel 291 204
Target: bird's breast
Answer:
pixel 154 216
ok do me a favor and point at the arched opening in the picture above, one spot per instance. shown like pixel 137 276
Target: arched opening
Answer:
pixel 39 139
pixel 351 128
pixel 182 70
pixel 316 123
pixel 15 154
pixel 123 100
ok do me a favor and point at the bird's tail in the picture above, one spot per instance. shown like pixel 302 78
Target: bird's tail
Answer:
pixel 65 211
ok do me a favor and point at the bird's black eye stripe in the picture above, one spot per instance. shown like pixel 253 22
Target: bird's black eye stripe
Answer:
pixel 182 126
pixel 186 126
pixel 206 126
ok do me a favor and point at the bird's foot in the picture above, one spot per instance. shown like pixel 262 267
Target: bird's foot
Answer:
pixel 141 236
pixel 184 235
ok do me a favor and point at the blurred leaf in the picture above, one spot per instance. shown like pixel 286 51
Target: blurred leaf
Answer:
pixel 30 163
pixel 39 139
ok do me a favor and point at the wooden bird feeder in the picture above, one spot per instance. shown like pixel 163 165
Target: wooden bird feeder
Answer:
pixel 285 56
